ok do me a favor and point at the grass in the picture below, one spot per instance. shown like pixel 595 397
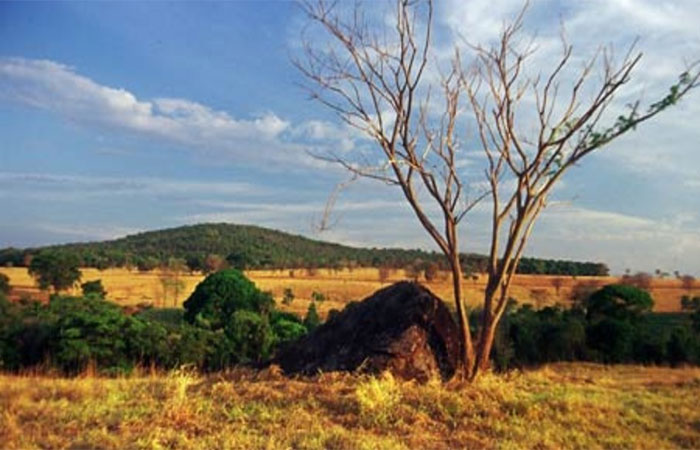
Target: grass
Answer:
pixel 561 405
pixel 339 287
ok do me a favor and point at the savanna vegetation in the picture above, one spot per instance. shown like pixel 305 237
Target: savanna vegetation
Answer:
pixel 198 376
pixel 228 321
pixel 578 406
pixel 210 247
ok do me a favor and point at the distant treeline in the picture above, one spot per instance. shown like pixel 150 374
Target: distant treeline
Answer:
pixel 208 247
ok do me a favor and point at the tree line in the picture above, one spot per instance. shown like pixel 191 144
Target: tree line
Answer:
pixel 228 321
pixel 210 247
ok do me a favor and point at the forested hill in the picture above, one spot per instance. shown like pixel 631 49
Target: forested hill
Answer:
pixel 204 246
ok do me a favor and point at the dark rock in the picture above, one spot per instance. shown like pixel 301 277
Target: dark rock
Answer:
pixel 403 328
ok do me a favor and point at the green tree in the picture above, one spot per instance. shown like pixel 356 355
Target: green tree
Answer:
pixel 216 298
pixel 618 301
pixel 93 288
pixel 287 296
pixel 4 284
pixel 312 319
pixel 52 268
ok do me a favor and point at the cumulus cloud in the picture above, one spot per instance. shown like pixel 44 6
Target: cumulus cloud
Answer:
pixel 60 89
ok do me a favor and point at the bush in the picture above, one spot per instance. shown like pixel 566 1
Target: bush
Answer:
pixel 680 348
pixel 612 340
pixel 287 296
pixel 250 336
pixel 52 268
pixel 618 301
pixel 318 297
pixel 221 294
pixel 4 284
pixel 312 319
pixel 93 289
pixel 88 331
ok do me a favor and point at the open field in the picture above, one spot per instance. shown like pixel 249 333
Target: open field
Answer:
pixel 339 287
pixel 558 406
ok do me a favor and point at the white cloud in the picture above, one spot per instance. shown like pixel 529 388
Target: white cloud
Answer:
pixel 58 88
pixel 84 232
pixel 47 184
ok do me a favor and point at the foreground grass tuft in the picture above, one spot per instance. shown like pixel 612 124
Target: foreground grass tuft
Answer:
pixel 562 405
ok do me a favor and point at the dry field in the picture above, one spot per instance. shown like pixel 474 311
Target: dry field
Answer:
pixel 338 287
pixel 558 406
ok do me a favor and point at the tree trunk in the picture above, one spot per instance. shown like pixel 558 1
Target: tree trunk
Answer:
pixel 487 336
pixel 466 353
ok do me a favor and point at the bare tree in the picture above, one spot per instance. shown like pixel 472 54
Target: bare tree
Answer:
pixel 377 83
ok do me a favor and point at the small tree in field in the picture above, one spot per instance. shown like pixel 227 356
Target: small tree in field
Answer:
pixel 557 282
pixel 374 80
pixel 4 284
pixel 431 272
pixel 384 272
pixel 687 281
pixel 94 288
pixel 55 269
pixel 287 296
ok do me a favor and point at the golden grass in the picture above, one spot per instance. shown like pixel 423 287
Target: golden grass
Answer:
pixel 558 406
pixel 339 287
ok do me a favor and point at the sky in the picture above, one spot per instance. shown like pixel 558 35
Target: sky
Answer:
pixel 121 117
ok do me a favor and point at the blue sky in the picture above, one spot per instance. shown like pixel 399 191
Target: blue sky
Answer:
pixel 123 117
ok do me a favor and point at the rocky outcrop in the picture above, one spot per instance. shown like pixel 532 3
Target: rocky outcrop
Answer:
pixel 403 328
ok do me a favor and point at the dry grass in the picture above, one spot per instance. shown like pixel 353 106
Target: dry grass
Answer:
pixel 559 406
pixel 340 287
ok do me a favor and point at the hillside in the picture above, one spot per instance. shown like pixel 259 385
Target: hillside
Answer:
pixel 253 247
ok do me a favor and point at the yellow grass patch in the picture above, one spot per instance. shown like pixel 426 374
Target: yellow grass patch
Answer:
pixel 558 406
pixel 339 287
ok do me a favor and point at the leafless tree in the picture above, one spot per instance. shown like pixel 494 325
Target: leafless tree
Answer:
pixel 376 82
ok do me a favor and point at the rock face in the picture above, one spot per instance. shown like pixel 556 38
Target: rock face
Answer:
pixel 403 328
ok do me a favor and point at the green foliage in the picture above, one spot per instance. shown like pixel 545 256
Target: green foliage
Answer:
pixel 4 284
pixel 52 268
pixel 233 323
pixel 690 304
pixel 680 347
pixel 312 319
pixel 696 321
pixel 287 331
pixel 318 297
pixel 216 298
pixel 617 327
pixel 93 289
pixel 618 301
pixel 250 336
pixel 250 247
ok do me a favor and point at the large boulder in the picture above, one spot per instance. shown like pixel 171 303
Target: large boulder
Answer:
pixel 403 328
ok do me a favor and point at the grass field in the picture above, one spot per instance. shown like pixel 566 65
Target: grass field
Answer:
pixel 559 406
pixel 339 287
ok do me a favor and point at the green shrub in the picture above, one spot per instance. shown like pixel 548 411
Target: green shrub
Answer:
pixel 612 340
pixel 287 296
pixel 4 284
pixel 221 294
pixel 250 336
pixel 88 331
pixel 52 268
pixel 93 289
pixel 618 301
pixel 312 319
pixel 681 347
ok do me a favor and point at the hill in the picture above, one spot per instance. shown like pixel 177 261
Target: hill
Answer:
pixel 252 247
